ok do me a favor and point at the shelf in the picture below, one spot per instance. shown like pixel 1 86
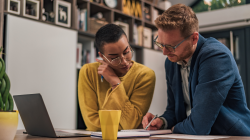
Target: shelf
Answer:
pixel 150 25
pixel 95 8
pixel 87 34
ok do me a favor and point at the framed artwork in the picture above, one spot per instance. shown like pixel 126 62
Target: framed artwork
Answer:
pixel 62 13
pixel 31 8
pixel 13 6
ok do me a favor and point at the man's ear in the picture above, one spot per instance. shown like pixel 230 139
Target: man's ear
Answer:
pixel 195 38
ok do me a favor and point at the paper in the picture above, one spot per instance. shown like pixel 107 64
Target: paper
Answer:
pixel 151 132
pixel 123 134
pixel 78 131
pixel 182 136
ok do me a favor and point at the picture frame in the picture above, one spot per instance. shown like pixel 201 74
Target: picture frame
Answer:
pixel 124 26
pixel 31 8
pixel 62 10
pixel 13 6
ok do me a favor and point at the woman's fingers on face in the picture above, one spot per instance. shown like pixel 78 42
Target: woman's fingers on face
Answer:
pixel 101 61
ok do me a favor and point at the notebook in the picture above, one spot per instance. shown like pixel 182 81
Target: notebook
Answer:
pixel 151 132
pixel 36 119
pixel 122 134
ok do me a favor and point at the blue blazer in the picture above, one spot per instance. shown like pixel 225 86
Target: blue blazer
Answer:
pixel 216 94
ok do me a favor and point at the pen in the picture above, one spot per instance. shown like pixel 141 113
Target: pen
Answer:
pixel 101 78
pixel 151 122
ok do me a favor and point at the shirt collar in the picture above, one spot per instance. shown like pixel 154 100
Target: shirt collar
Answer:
pixel 183 64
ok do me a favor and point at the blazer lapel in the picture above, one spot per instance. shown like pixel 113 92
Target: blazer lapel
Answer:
pixel 199 46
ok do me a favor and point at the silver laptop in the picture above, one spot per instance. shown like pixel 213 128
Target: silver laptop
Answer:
pixel 36 119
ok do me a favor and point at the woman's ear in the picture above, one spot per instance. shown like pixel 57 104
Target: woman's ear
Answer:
pixel 100 54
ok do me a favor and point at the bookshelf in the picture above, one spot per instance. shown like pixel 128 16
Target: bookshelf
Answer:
pixel 86 36
pixel 109 14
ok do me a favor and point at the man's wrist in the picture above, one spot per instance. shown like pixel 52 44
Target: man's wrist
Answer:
pixel 163 123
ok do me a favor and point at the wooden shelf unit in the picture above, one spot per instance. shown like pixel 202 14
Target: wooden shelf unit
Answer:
pixel 110 14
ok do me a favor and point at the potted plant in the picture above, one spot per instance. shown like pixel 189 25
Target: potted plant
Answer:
pixel 8 116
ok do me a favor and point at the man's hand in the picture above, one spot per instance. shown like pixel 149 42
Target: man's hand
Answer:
pixel 156 124
pixel 108 73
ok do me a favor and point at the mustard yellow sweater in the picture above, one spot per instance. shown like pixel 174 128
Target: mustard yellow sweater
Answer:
pixel 132 96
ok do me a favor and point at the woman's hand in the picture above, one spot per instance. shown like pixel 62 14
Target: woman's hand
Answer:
pixel 108 73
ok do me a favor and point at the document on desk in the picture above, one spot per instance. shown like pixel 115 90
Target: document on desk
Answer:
pixel 79 131
pixel 151 132
pixel 121 134
pixel 194 137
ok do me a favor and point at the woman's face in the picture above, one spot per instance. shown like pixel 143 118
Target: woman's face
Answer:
pixel 119 50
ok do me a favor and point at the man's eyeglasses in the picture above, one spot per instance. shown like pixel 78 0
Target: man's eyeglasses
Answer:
pixel 169 47
pixel 117 61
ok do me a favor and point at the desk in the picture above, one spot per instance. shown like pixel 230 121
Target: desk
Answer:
pixel 21 136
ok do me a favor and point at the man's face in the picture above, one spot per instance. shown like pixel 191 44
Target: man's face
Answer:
pixel 173 37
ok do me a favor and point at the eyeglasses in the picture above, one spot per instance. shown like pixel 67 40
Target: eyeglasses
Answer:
pixel 168 47
pixel 117 61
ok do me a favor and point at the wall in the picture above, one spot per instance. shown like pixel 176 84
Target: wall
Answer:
pixel 41 58
pixel 156 60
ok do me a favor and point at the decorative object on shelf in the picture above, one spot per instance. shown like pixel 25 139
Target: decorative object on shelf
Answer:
pixel 110 3
pixel 124 26
pixel 13 6
pixel 62 13
pixel 31 8
pixel 98 15
pixel 51 17
pixel 45 15
pixel 146 11
pixel 96 24
pixel 147 37
pixel 8 117
pixel 132 8
pixel 164 4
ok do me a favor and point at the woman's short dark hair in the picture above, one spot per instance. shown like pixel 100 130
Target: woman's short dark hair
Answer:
pixel 109 33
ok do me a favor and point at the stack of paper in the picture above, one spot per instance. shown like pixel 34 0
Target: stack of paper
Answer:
pixel 121 134
pixel 151 132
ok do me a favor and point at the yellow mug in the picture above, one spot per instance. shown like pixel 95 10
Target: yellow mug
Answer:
pixel 109 120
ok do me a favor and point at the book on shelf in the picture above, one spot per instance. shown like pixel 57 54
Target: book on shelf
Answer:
pixel 155 14
pixel 147 37
pixel 79 55
pixel 140 35
pixel 82 19
pixel 135 34
pixel 124 26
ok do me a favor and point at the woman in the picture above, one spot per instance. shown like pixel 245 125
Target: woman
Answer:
pixel 115 83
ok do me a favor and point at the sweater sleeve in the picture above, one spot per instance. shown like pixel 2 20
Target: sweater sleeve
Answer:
pixel 133 108
pixel 88 99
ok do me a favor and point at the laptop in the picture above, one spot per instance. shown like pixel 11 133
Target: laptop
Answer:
pixel 36 119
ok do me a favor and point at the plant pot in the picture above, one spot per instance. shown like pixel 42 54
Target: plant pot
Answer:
pixel 8 125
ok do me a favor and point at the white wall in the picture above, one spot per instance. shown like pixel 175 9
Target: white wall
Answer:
pixel 41 58
pixel 156 60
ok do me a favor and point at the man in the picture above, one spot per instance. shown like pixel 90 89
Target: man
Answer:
pixel 204 87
